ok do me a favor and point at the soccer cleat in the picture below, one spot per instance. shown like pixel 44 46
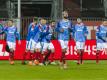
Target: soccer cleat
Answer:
pixel 78 62
pixel 11 62
pixel 61 65
pixel 97 61
pixel 44 63
pixel 41 64
pixel 65 66
pixel 23 63
pixel 53 63
pixel 36 62
pixel 33 64
pixel 82 62
pixel 30 63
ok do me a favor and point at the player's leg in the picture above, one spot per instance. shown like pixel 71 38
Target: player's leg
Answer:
pixel 37 58
pixel 51 47
pixel 11 56
pixel 81 56
pixel 105 50
pixel 97 56
pixel 50 51
pixel 78 52
pixel 64 45
pixel 52 58
pixel 24 56
pixel 99 48
pixel 105 45
pixel 11 46
pixel 34 50
pixel 63 59
pixel 46 57
pixel 82 47
pixel 39 53
pixel 26 52
pixel 46 52
pixel 31 53
pixel 41 57
pixel 78 56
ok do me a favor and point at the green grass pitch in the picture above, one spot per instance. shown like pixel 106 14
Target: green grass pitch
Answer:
pixel 88 71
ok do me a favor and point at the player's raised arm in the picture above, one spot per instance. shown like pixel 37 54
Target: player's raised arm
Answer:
pixel 101 36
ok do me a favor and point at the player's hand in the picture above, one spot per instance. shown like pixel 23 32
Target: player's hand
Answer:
pixel 19 42
pixel 85 35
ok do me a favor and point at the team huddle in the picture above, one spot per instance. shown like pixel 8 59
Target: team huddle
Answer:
pixel 40 34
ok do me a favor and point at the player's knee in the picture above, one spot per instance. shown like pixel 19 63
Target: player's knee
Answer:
pixel 52 50
pixel 98 51
pixel 26 50
pixel 64 50
pixel 11 50
pixel 78 51
pixel 37 50
pixel 106 51
pixel 82 50
pixel 32 51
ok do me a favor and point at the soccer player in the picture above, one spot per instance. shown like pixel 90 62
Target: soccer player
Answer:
pixel 11 35
pixel 101 35
pixel 30 44
pixel 80 33
pixel 49 47
pixel 63 29
pixel 43 31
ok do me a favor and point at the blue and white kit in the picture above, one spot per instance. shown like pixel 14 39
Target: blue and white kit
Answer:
pixel 64 36
pixel 30 36
pixel 11 35
pixel 45 37
pixel 79 33
pixel 101 36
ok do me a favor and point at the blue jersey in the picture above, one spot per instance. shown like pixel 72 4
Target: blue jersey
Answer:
pixel 51 34
pixel 31 31
pixel 79 32
pixel 101 34
pixel 66 25
pixel 11 33
pixel 41 32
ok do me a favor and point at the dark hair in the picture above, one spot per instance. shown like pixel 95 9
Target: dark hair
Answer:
pixel 11 20
pixel 79 18
pixel 35 19
pixel 43 18
pixel 51 21
pixel 65 11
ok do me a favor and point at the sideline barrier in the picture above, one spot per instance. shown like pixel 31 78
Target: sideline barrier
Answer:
pixel 90 51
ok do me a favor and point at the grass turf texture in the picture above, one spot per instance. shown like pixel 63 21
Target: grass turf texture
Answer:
pixel 88 71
